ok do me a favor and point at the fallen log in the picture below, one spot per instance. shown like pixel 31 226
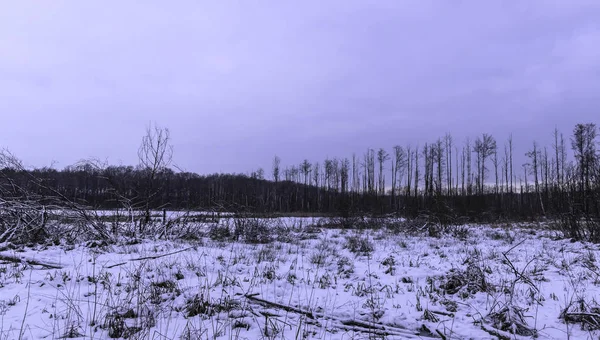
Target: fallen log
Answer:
pixel 345 324
pixel 280 306
pixel 31 262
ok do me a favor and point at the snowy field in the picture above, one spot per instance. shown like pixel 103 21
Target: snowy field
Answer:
pixel 296 279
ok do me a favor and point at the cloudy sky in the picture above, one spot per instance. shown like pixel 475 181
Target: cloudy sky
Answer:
pixel 238 82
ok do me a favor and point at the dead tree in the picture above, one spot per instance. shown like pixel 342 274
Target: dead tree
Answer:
pixel 448 147
pixel 583 143
pixel 484 148
pixel 382 157
pixel 398 167
pixel 510 156
pixel 276 168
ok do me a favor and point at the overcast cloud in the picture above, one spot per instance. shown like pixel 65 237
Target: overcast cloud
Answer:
pixel 238 82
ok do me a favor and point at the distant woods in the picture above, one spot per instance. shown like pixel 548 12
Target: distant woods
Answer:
pixel 449 180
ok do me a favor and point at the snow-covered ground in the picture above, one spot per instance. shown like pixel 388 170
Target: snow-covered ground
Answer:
pixel 471 282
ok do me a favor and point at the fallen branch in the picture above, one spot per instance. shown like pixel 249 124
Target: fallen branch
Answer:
pixel 280 306
pixel 150 257
pixel 592 319
pixel 497 333
pixel 439 312
pixel 575 314
pixel 31 262
pixel 345 324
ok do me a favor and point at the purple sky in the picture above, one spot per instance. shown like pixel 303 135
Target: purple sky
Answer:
pixel 238 82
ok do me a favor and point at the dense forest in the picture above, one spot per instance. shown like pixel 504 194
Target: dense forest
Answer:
pixel 474 181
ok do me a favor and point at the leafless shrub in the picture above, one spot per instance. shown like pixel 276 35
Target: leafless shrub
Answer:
pixel 73 331
pixel 252 230
pixel 578 227
pixel 27 217
pixel 460 232
pixel 339 222
pixel 345 267
pixel 455 281
pixel 390 264
pixel 116 326
pixel 584 313
pixel 511 319
pixel 162 291
pixel 200 304
pixel 467 282
pixel 219 232
pixel 430 316
pixel 266 254
pixel 359 244
pixel 188 231
pixel 408 226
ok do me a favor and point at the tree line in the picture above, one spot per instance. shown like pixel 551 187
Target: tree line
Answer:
pixel 475 180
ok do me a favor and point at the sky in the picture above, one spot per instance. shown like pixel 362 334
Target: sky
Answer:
pixel 238 82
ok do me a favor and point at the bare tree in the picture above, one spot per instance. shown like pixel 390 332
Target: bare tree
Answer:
pixel 563 158
pixel 344 175
pixel 439 158
pixel 276 168
pixel 398 168
pixel 448 147
pixel 155 154
pixel 369 171
pixel 546 170
pixel 315 174
pixel 556 147
pixel 427 160
pixel 463 162
pixel 510 156
pixel 469 172
pixel 382 157
pixel 457 182
pixel 583 143
pixel 416 166
pixel 276 175
pixel 534 156
pixel 328 174
pixel 484 148
pixel 525 172
pixel 306 168
pixel 495 162
pixel 409 165
pixel 355 177
pixel 259 174
pixel 506 160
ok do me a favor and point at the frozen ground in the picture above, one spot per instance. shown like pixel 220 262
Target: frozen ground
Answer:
pixel 470 282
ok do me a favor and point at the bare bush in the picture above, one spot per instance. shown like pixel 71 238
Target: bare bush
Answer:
pixel 219 232
pixel 584 313
pixel 359 244
pixel 511 319
pixel 28 217
pixel 577 227
pixel 252 230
